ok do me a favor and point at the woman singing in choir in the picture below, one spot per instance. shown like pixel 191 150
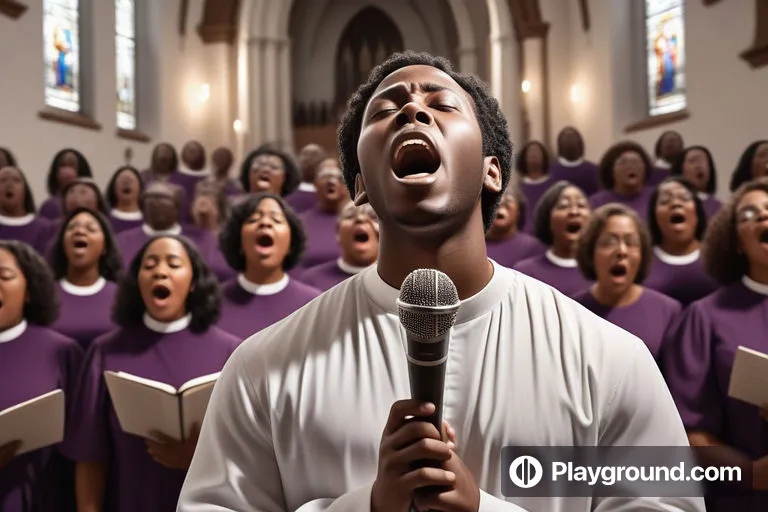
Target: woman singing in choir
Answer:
pixel 123 192
pixel 210 210
pixel 87 264
pixel 165 307
pixel 624 172
pixel 615 252
pixel 505 241
pixel 18 218
pixel 268 169
pixel 561 215
pixel 699 365
pixel 68 165
pixel 34 360
pixel 534 177
pixel 697 166
pixel 753 164
pixel 677 223
pixel 262 240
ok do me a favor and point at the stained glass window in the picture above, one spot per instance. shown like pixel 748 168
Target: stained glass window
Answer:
pixel 125 56
pixel 61 43
pixel 665 38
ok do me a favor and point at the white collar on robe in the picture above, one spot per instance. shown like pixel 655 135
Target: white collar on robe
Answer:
pixel 350 269
pixel 561 262
pixel 17 221
pixel 307 187
pixel 137 215
pixel 703 196
pixel 263 289
pixel 660 163
pixel 385 296
pixel 753 285
pixel 570 163
pixel 671 259
pixel 531 181
pixel 14 332
pixel 198 174
pixel 167 327
pixel 173 230
pixel 83 291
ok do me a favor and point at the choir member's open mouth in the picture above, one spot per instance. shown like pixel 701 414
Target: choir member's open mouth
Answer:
pixel 160 292
pixel 764 236
pixel 126 190
pixel 632 175
pixel 573 227
pixel 618 270
pixel 415 157
pixel 677 218
pixel 9 194
pixel 501 214
pixel 264 178
pixel 80 244
pixel 1 303
pixel 265 240
pixel 361 237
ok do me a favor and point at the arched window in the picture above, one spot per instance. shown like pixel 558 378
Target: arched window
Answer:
pixel 61 43
pixel 125 57
pixel 665 46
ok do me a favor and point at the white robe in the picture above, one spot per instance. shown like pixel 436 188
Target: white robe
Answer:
pixel 296 418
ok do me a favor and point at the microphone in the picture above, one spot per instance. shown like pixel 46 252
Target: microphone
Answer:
pixel 427 309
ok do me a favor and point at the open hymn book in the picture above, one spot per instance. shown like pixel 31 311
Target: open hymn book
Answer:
pixel 749 377
pixel 37 423
pixel 145 405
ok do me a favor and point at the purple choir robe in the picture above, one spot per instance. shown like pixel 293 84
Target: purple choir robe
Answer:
pixel 659 173
pixel 533 192
pixel 131 241
pixel 682 278
pixel 215 259
pixel 51 208
pixel 31 229
pixel 320 227
pixel 515 249
pixel 36 362
pixel 327 275
pixel 135 481
pixel 188 180
pixel 639 203
pixel 233 188
pixel 248 308
pixel 185 200
pixel 584 174
pixel 698 371
pixel 634 318
pixel 303 199
pixel 553 271
pixel 85 314
pixel 711 205
pixel 121 221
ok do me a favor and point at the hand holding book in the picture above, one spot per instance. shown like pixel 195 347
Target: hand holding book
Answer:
pixel 8 452
pixel 171 453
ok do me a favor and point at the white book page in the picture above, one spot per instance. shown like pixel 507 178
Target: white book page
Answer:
pixel 37 423
pixel 749 377
pixel 194 404
pixel 142 408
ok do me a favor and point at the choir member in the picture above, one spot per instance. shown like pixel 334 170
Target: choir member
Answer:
pixel 532 167
pixel 191 171
pixel 6 158
pixel 18 218
pixel 571 165
pixel 310 158
pixel 527 366
pixel 615 252
pixel 267 169
pixel 696 165
pixel 320 221
pixel 624 172
pixel 561 215
pixel 123 192
pixel 505 241
pixel 163 164
pixel 222 159
pixel 677 223
pixel 209 212
pixel 166 307
pixel 78 193
pixel 668 148
pixel 87 264
pixel 698 368
pixel 753 164
pixel 34 360
pixel 68 165
pixel 357 233
pixel 262 240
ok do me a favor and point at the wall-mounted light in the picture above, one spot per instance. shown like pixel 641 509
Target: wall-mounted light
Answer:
pixel 205 93
pixel 576 94
pixel 526 86
pixel 237 126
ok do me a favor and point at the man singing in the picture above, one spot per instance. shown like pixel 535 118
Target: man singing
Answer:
pixel 310 413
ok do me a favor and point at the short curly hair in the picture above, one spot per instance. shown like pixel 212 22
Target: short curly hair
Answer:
pixel 743 171
pixel 292 174
pixel 723 260
pixel 493 124
pixel 42 305
pixel 585 254
pixel 230 238
pixel 109 192
pixel 521 164
pixel 203 301
pixel 653 222
pixel 677 167
pixel 83 170
pixel 9 157
pixel 101 204
pixel 613 153
pixel 542 213
pixel 110 263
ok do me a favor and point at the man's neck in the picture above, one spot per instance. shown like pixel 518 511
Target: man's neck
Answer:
pixel 83 276
pixel 328 206
pixel 565 250
pixel 535 173
pixel 127 206
pixel 676 248
pixel 260 275
pixel 616 297
pixel 17 211
pixel 628 190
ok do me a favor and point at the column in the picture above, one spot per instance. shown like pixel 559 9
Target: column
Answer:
pixel 505 80
pixel 534 98
pixel 254 123
pixel 467 59
pixel 286 97
pixel 269 82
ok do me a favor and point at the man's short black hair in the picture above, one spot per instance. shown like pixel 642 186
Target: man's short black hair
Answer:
pixel 110 263
pixel 230 239
pixel 653 223
pixel 83 170
pixel 743 171
pixel 8 157
pixel 203 301
pixel 110 191
pixel 542 214
pixel 292 174
pixel 42 305
pixel 677 167
pixel 522 164
pixel 493 124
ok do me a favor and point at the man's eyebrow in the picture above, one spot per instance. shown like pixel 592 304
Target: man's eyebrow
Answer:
pixel 433 87
pixel 402 89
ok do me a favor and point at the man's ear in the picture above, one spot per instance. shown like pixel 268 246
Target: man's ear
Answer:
pixel 361 197
pixel 492 181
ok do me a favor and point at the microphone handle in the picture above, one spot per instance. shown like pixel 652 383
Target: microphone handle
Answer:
pixel 427 384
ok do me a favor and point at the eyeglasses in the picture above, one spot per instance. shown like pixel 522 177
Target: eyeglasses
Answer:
pixel 629 160
pixel 609 241
pixel 566 204
pixel 666 199
pixel 750 213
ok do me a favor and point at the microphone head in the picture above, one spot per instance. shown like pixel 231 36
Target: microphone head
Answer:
pixel 428 304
